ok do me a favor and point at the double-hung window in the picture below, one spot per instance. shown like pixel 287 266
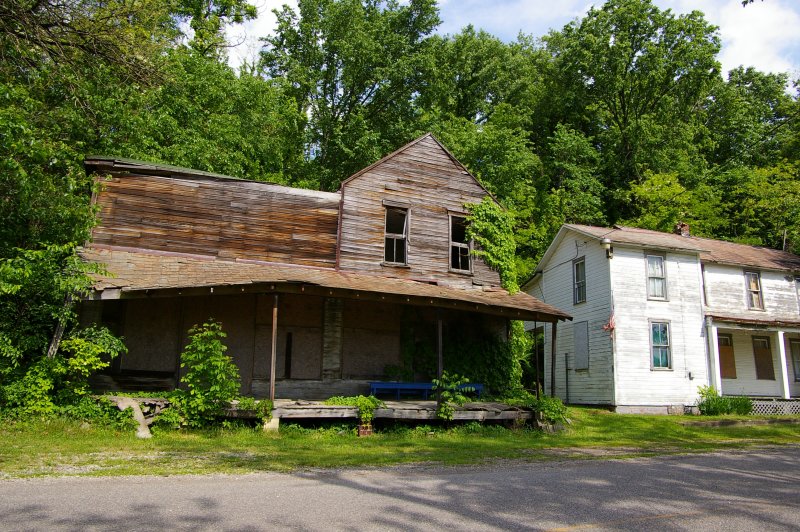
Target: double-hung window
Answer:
pixel 755 299
pixel 459 245
pixel 656 277
pixel 660 345
pixel 396 236
pixel 579 280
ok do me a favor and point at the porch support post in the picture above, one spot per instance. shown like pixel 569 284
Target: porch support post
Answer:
pixel 714 370
pixel 274 348
pixel 536 357
pixel 553 360
pixel 439 342
pixel 782 363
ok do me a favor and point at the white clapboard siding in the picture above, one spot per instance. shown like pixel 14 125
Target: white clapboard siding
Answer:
pixel 554 286
pixel 637 383
pixel 726 291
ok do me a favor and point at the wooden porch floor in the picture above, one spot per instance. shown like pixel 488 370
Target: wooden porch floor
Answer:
pixel 400 410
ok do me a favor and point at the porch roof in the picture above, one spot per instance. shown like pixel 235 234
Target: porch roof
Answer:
pixel 140 273
pixel 758 321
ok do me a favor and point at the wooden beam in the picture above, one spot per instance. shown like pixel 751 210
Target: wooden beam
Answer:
pixel 439 350
pixel 274 348
pixel 311 289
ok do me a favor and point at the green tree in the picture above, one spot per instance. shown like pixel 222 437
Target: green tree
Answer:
pixel 749 118
pixel 639 74
pixel 208 19
pixel 353 68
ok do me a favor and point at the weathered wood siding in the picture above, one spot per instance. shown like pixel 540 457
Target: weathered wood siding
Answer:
pixel 637 383
pixel 595 384
pixel 221 218
pixel 424 179
pixel 725 287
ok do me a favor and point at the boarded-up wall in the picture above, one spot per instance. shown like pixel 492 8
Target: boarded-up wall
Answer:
pixel 371 338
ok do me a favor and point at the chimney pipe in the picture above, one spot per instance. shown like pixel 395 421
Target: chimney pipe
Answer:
pixel 681 229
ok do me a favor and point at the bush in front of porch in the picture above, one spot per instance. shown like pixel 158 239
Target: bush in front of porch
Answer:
pixel 711 403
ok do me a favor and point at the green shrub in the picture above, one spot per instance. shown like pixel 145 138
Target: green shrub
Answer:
pixel 211 379
pixel 366 405
pixel 50 383
pixel 711 403
pixel 171 418
pixel 262 407
pixel 451 394
pixel 551 409
pixel 100 411
pixel 742 406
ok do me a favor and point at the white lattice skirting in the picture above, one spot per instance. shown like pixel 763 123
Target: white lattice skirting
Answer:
pixel 776 406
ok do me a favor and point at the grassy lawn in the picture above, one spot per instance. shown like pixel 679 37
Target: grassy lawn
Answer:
pixel 58 448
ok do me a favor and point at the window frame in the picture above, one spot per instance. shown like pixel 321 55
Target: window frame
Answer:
pixel 794 351
pixel 663 278
pixel 748 291
pixel 461 245
pixel 578 284
pixel 771 357
pixel 653 347
pixel 729 338
pixel 797 292
pixel 404 237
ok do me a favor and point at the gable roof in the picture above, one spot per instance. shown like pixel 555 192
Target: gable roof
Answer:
pixel 409 146
pixel 709 250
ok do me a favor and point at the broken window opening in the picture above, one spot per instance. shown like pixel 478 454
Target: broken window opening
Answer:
pixel 396 236
pixel 460 246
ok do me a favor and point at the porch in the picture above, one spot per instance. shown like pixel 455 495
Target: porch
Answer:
pixel 759 358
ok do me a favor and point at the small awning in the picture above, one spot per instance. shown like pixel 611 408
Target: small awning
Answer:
pixel 133 273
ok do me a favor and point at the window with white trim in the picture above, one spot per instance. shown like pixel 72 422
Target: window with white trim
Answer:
pixel 660 345
pixel 656 277
pixel 396 236
pixel 460 260
pixel 755 298
pixel 579 281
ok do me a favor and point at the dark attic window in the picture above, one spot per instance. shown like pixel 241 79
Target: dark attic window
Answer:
pixel 396 236
pixel 459 245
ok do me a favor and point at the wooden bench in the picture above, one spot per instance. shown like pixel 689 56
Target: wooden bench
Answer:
pixel 413 388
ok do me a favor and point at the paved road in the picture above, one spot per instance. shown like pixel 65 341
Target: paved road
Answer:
pixel 752 490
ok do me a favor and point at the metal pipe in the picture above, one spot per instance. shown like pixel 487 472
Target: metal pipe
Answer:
pixel 274 348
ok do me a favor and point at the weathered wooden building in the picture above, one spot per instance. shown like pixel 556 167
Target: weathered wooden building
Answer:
pixel 325 286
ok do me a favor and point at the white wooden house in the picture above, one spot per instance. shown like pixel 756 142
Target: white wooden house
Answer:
pixel 656 315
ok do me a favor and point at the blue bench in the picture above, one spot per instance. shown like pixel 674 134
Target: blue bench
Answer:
pixel 413 388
